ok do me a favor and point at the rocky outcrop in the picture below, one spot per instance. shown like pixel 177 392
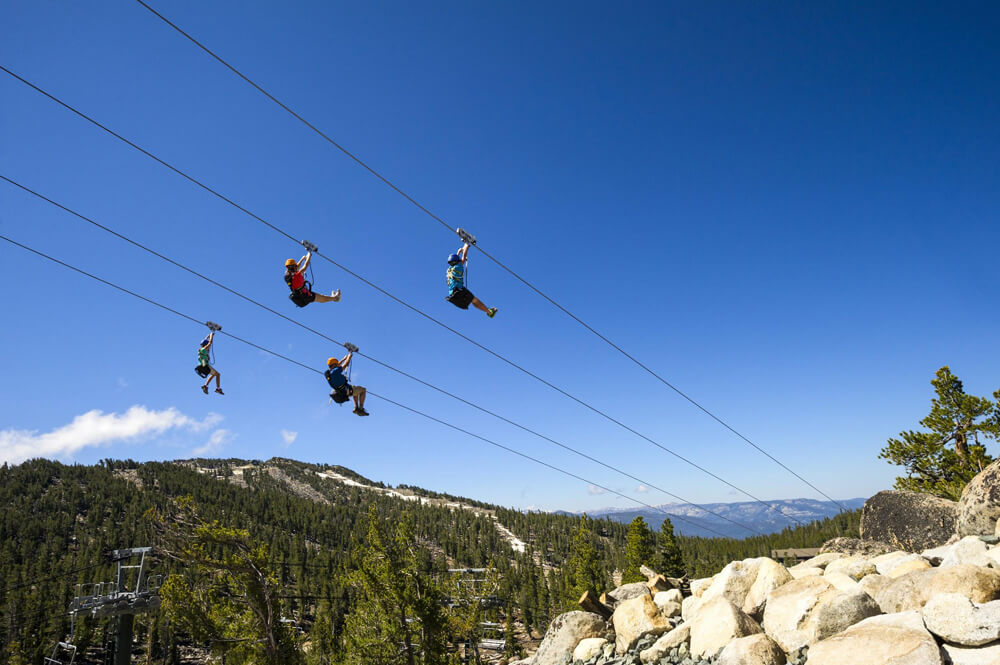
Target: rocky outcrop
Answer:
pixel 752 650
pixel 564 634
pixel 908 520
pixel 882 640
pixel 985 655
pixel 717 623
pixel 636 618
pixel 979 505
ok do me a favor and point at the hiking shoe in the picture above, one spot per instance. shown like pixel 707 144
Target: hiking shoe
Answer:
pixel 360 411
pixel 218 390
pixel 491 312
pixel 335 295
pixel 204 389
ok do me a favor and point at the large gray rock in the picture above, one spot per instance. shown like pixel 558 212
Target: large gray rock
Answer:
pixel 717 623
pixel 699 586
pixel 752 650
pixel 956 619
pixel 807 610
pixel 882 640
pixel 908 521
pixel 565 632
pixel 689 607
pixel 979 505
pixel 873 584
pixel 636 618
pixel 678 636
pixel 841 612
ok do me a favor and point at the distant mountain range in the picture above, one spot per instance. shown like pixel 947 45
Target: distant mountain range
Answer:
pixel 689 520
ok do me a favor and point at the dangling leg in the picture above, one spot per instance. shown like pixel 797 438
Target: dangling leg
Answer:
pixel 204 386
pixel 478 304
pixel 218 381
pixel 359 401
pixel 333 297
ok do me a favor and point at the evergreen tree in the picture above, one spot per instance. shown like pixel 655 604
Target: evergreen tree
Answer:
pixel 398 618
pixel 671 560
pixel 965 421
pixel 584 570
pixel 227 595
pixel 639 550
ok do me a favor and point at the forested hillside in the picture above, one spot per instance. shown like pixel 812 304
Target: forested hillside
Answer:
pixel 57 523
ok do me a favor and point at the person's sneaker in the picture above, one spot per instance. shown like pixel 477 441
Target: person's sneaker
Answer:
pixel 491 312
pixel 204 389
pixel 335 295
pixel 360 411
pixel 218 390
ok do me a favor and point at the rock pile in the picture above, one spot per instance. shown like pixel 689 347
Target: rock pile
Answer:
pixel 852 604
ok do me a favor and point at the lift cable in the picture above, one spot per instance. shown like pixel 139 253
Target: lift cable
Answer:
pixel 406 304
pixel 373 394
pixel 443 223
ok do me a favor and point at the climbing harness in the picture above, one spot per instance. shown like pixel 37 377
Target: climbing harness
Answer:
pixel 202 370
pixel 342 394
pixel 304 294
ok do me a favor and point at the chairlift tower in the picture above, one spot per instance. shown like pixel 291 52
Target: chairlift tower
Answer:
pixel 133 592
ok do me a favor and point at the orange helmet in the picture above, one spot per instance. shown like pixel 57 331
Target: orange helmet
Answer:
pixel 332 362
pixel 291 263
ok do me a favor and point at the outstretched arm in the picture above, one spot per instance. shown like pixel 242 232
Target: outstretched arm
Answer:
pixel 211 338
pixel 304 262
pixel 347 359
pixel 464 253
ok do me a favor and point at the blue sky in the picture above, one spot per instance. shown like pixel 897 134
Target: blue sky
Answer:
pixel 787 210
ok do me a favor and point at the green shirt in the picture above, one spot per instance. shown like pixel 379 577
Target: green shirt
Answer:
pixel 203 355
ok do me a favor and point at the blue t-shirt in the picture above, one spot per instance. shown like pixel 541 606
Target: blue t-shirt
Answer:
pixel 456 277
pixel 335 377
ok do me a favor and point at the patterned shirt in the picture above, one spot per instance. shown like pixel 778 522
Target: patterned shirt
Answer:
pixel 456 277
pixel 203 356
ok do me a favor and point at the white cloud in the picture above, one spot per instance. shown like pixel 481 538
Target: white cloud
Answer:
pixel 219 438
pixel 289 437
pixel 96 428
pixel 594 489
pixel 642 489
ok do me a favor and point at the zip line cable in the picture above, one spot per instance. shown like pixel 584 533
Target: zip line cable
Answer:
pixel 399 300
pixel 375 360
pixel 443 223
pixel 373 394
pixel 386 365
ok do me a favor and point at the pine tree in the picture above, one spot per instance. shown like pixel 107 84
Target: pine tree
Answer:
pixel 639 550
pixel 957 418
pixel 671 561
pixel 399 617
pixel 583 565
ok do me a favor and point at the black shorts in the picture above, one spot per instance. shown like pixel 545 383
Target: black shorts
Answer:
pixel 461 298
pixel 341 394
pixel 302 298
